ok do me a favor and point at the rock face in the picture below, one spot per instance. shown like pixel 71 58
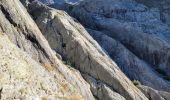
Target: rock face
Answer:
pixel 130 63
pixel 22 31
pixel 138 28
pixel 24 78
pixel 101 91
pixel 78 47
pixel 40 47
pixel 162 6
pixel 154 94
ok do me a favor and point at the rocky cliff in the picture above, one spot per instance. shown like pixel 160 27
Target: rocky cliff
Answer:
pixel 47 54
pixel 22 31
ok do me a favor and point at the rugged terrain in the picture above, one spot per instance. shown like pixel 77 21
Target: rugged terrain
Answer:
pixel 47 54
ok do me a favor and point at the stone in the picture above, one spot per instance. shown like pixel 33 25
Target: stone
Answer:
pixel 75 45
pixel 153 94
pixel 136 26
pixel 101 91
pixel 22 31
pixel 134 67
pixel 122 17
pixel 24 78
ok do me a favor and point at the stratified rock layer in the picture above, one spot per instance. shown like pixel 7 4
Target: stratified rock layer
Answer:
pixel 22 31
pixel 138 28
pixel 21 77
pixel 153 94
pixel 73 42
pixel 129 63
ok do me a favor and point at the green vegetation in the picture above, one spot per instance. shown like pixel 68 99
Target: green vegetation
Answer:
pixel 68 63
pixel 136 82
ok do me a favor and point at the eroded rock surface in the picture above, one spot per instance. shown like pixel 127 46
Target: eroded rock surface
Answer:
pixel 153 94
pixel 32 67
pixel 76 45
pixel 22 31
pixel 136 26
pixel 24 78
pixel 101 90
pixel 134 67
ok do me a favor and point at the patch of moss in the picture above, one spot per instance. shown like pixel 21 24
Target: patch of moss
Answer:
pixel 136 82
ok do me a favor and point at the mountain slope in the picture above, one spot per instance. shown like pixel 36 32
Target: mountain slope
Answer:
pixel 17 24
pixel 46 54
pixel 24 78
pixel 137 28
pixel 76 46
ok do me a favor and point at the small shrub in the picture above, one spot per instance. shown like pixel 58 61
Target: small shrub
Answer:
pixel 68 63
pixel 136 82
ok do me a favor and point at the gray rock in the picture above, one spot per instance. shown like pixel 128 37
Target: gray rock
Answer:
pixel 153 94
pixel 101 90
pixel 21 77
pixel 22 31
pixel 138 27
pixel 162 5
pixel 76 45
pixel 134 67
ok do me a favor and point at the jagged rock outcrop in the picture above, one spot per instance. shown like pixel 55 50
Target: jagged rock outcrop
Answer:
pixel 139 28
pixel 101 90
pixel 153 94
pixel 162 6
pixel 21 77
pixel 30 68
pixel 73 42
pixel 22 31
pixel 129 63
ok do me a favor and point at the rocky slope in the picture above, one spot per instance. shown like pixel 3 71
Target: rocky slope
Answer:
pixel 24 78
pixel 139 31
pixel 134 33
pixel 46 54
pixel 75 45
pixel 22 31
pixel 130 63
